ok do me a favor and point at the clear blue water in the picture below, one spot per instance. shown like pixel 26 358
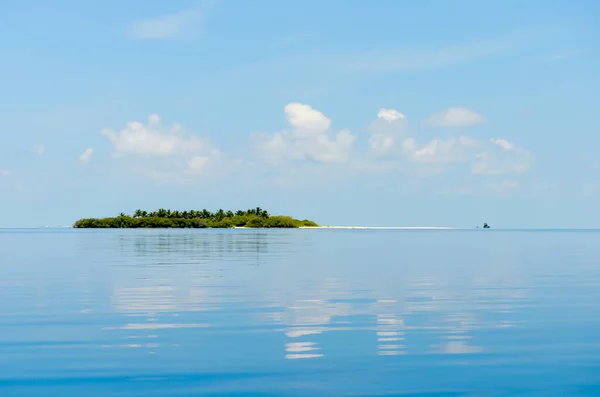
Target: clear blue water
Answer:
pixel 299 313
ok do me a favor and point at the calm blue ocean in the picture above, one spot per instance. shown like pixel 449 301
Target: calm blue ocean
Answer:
pixel 299 313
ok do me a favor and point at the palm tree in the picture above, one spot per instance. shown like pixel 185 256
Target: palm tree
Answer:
pixel 229 214
pixel 161 213
pixel 138 214
pixel 239 213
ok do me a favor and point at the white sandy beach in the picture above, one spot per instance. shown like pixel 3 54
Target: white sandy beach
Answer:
pixel 370 227
pixel 380 227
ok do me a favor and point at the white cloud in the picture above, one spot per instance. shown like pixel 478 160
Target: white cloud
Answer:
pixel 154 119
pixel 39 149
pixel 503 157
pixel 504 186
pixel 153 139
pixel 177 25
pixel 390 115
pixel 198 164
pixel 387 131
pixel 382 143
pixel 390 137
pixel 305 119
pixel 86 156
pixel 168 153
pixel 309 138
pixel 449 150
pixel 455 117
pixel 503 143
pixel 172 153
pixel 466 141
pixel 5 172
pixel 391 140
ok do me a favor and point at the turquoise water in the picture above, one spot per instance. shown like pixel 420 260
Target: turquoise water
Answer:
pixel 299 313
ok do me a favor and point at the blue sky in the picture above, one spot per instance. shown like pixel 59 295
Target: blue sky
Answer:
pixel 432 113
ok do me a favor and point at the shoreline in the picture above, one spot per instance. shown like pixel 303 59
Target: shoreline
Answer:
pixel 381 227
pixel 250 228
pixel 367 227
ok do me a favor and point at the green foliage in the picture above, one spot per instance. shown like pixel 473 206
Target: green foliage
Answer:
pixel 307 223
pixel 277 222
pixel 255 222
pixel 281 221
pixel 162 218
pixel 223 223
pixel 135 223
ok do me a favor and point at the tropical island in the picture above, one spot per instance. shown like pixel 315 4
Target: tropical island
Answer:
pixel 162 218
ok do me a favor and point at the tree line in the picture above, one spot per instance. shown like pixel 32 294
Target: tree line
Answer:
pixel 163 218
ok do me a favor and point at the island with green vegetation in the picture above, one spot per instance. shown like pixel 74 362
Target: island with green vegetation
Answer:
pixel 162 218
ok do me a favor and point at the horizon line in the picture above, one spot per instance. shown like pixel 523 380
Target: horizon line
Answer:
pixel 341 227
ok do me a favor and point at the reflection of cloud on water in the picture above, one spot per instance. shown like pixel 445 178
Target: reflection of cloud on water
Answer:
pixel 389 328
pixel 300 356
pixel 459 347
pixel 133 346
pixel 159 301
pixel 311 314
pixel 428 309
pixel 457 310
pixel 152 299
pixel 298 350
pixel 174 274
pixel 163 298
pixel 304 318
pixel 157 326
pixel 297 333
pixel 297 347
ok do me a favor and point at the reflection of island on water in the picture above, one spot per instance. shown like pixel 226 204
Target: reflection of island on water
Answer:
pixel 199 243
pixel 174 281
pixel 165 280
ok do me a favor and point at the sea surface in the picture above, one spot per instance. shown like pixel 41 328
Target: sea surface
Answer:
pixel 299 313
